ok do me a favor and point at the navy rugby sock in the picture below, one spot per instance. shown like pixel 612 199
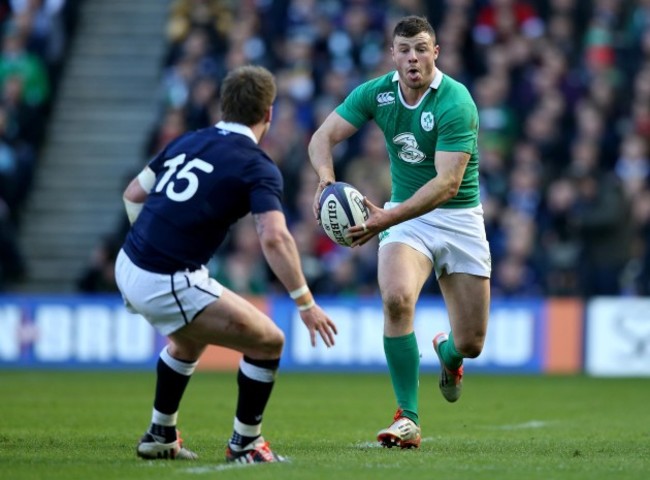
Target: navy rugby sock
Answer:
pixel 173 375
pixel 255 380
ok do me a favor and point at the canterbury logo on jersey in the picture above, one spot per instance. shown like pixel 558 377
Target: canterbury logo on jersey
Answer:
pixel 385 98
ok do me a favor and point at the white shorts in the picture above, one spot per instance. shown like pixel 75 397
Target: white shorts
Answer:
pixel 167 301
pixel 452 238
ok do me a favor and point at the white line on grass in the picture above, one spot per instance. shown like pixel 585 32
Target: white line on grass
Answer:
pixel 221 467
pixel 523 426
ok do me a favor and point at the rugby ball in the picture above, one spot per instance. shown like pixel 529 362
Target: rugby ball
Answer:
pixel 341 207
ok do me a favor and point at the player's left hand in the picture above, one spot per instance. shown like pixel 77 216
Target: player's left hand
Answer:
pixel 377 222
pixel 316 320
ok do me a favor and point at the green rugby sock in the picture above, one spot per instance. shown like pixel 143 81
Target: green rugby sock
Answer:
pixel 403 357
pixel 450 356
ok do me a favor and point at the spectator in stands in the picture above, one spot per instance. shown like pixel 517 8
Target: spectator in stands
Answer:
pixel 243 268
pixel 16 166
pixel 16 60
pixel 25 122
pixel 500 20
pixel 41 24
pixel 633 164
pixel 513 278
pixel 202 102
pixel 286 144
pixel 601 217
pixel 499 126
pixel 558 239
pixel 172 125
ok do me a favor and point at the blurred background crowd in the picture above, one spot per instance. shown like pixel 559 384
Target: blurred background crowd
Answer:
pixel 563 93
pixel 34 38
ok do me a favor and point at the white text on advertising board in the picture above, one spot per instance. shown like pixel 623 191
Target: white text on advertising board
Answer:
pixel 510 341
pixel 81 333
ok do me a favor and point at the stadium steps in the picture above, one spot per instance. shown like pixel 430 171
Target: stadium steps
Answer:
pixel 104 109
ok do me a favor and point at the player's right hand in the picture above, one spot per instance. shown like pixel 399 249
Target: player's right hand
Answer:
pixel 316 320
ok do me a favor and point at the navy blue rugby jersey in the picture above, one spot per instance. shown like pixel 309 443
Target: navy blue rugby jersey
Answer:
pixel 205 181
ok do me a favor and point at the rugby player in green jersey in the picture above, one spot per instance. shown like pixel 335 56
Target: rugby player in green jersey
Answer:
pixel 434 221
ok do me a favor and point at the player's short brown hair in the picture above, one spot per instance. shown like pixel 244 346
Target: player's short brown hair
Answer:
pixel 410 26
pixel 246 94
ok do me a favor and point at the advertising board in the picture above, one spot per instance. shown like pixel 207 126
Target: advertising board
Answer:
pixel 524 336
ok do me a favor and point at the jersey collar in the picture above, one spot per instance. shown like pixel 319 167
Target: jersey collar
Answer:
pixel 435 83
pixel 237 128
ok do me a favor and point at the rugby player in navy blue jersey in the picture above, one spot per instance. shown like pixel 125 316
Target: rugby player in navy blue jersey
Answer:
pixel 181 206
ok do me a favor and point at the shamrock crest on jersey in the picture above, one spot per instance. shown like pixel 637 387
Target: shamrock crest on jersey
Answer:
pixel 427 121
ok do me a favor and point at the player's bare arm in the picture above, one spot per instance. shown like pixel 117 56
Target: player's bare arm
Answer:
pixel 136 193
pixel 280 251
pixel 450 167
pixel 333 131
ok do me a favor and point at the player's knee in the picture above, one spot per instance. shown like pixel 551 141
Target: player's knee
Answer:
pixel 186 351
pixel 398 305
pixel 272 343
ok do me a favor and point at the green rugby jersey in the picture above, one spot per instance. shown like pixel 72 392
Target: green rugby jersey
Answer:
pixel 445 119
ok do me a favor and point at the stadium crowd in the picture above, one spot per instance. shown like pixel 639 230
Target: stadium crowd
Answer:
pixel 34 37
pixel 563 92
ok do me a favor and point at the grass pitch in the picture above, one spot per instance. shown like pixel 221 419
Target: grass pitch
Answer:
pixel 84 425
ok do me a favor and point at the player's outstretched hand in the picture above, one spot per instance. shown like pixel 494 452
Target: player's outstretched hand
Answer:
pixel 316 320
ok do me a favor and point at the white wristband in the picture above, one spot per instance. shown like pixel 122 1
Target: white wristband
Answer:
pixel 299 292
pixel 307 306
pixel 147 179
